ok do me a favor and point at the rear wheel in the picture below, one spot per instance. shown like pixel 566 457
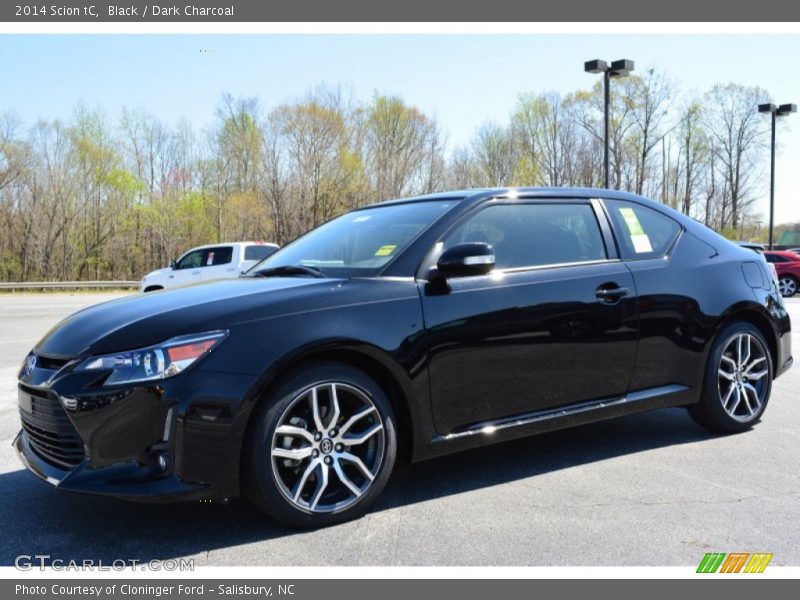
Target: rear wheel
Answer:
pixel 322 448
pixel 738 380
pixel 787 285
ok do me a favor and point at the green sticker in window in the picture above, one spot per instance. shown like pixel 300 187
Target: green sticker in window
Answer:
pixel 640 240
pixel 632 221
pixel 385 250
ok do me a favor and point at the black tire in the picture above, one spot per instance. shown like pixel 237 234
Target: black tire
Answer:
pixel 261 478
pixel 710 411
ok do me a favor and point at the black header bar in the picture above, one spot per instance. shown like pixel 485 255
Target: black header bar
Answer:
pixel 170 11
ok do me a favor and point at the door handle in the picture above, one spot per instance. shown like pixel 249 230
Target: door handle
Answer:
pixel 196 272
pixel 611 294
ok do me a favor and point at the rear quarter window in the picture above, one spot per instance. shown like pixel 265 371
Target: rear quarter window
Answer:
pixel 642 232
pixel 258 252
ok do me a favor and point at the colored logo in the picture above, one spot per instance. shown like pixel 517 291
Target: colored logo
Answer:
pixel 734 562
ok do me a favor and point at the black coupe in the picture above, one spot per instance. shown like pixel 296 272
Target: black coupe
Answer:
pixel 410 328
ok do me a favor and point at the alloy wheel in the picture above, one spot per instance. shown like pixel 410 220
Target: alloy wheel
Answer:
pixel 743 377
pixel 787 286
pixel 328 447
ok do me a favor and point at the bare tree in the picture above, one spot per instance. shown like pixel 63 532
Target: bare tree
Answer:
pixel 495 158
pixel 648 97
pixel 733 124
pixel 694 152
pixel 401 146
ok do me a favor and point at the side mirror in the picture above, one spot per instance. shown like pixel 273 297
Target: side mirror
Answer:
pixel 463 260
pixel 173 265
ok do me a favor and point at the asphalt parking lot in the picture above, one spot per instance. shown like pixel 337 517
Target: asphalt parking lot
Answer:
pixel 652 489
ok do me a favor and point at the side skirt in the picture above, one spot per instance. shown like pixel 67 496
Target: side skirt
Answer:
pixel 509 428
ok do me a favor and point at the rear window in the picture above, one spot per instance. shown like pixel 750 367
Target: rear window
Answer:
pixel 258 252
pixel 642 232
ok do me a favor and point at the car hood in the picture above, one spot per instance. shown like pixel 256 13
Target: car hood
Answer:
pixel 142 320
pixel 158 272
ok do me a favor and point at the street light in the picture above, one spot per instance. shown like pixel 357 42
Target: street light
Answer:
pixel 618 68
pixel 775 111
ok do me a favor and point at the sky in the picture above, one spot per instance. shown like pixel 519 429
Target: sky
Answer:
pixel 465 80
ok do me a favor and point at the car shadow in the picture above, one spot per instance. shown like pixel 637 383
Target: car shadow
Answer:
pixel 38 520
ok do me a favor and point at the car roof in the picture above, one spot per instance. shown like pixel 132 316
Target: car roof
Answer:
pixel 476 195
pixel 204 246
pixel 786 253
pixel 528 192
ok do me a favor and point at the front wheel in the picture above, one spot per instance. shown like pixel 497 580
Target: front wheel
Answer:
pixel 738 380
pixel 322 447
pixel 787 286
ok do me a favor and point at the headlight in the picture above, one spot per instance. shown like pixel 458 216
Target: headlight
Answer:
pixel 156 362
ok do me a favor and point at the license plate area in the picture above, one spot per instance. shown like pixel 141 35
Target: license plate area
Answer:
pixel 24 401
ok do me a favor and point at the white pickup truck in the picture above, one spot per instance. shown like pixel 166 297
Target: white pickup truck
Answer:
pixel 206 263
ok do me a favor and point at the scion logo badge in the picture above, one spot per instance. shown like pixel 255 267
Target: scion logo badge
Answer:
pixel 734 562
pixel 30 364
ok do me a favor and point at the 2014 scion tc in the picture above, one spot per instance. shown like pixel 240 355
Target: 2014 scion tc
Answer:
pixel 415 327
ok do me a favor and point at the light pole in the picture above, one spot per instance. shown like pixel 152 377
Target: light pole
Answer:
pixel 775 112
pixel 618 68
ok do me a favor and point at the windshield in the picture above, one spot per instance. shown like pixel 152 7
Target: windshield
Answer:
pixel 359 243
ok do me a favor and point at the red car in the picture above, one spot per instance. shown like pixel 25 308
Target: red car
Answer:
pixel 787 264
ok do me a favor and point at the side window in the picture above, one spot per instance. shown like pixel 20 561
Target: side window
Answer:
pixel 218 256
pixel 642 232
pixel 193 260
pixel 527 235
pixel 775 258
pixel 259 252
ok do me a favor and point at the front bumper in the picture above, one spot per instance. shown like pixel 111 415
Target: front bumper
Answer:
pixel 128 481
pixel 175 440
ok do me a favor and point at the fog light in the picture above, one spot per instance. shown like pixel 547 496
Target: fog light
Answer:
pixel 159 463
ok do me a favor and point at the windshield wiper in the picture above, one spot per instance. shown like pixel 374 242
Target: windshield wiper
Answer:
pixel 289 270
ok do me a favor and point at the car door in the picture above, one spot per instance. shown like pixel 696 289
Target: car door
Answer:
pixel 554 324
pixel 187 269
pixel 219 262
pixel 666 270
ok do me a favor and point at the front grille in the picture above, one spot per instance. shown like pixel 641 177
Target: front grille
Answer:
pixel 50 432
